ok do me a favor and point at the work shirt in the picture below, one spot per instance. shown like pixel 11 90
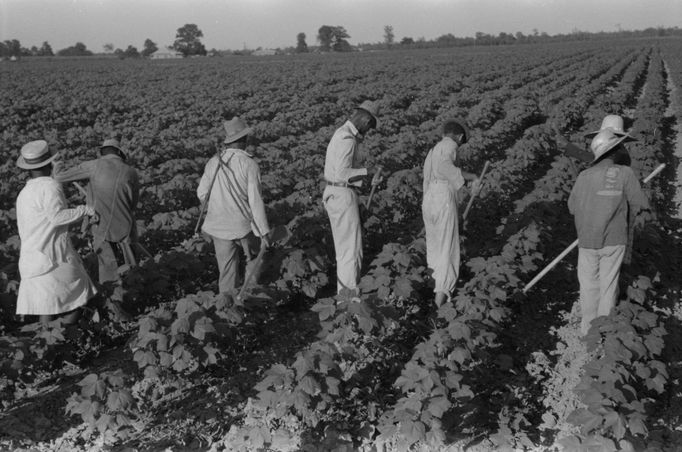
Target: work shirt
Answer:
pixel 53 279
pixel 600 201
pixel 235 205
pixel 112 191
pixel 440 165
pixel 340 161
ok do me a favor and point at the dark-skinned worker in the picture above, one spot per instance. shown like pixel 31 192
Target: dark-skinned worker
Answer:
pixel 344 177
pixel 442 183
pixel 113 191
pixel 601 199
pixel 53 280
pixel 235 213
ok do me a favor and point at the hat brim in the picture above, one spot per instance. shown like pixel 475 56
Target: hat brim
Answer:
pixel 121 151
pixel 627 136
pixel 21 162
pixel 238 135
pixel 609 150
pixel 376 120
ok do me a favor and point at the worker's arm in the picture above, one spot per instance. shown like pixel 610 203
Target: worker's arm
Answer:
pixel 256 204
pixel 206 178
pixel 57 213
pixel 79 172
pixel 344 150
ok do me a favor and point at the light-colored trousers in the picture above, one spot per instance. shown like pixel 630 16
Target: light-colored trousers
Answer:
pixel 439 211
pixel 598 273
pixel 228 257
pixel 341 204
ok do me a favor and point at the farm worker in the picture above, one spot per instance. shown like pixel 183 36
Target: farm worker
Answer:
pixel 600 200
pixel 53 280
pixel 340 199
pixel 113 191
pixel 235 215
pixel 442 182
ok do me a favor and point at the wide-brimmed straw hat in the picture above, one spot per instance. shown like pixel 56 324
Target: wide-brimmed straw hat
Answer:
pixel 604 142
pixel 113 143
pixel 35 154
pixel 372 108
pixel 614 123
pixel 235 129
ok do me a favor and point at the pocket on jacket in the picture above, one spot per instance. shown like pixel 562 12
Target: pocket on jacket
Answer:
pixel 337 201
pixel 34 263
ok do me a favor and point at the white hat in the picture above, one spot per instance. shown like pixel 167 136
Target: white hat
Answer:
pixel 614 123
pixel 604 142
pixel 35 154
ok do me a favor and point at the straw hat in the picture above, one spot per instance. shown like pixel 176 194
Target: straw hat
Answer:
pixel 35 154
pixel 372 108
pixel 604 142
pixel 113 143
pixel 235 129
pixel 614 123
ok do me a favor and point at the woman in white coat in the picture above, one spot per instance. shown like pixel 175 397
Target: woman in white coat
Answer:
pixel 53 279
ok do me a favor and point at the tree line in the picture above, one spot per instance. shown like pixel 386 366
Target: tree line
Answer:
pixel 332 38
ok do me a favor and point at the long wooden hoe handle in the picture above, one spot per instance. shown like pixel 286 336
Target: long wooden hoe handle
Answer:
pixel 570 247
pixel 473 195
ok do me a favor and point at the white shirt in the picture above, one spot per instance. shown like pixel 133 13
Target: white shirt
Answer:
pixel 339 163
pixel 235 206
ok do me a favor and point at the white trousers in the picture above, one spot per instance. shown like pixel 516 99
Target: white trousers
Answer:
pixel 598 273
pixel 341 204
pixel 439 211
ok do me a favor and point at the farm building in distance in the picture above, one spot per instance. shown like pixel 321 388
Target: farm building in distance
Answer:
pixel 164 54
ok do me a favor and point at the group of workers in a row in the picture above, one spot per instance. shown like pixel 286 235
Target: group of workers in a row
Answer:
pixel 54 281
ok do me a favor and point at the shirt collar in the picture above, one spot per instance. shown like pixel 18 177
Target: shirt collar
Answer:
pixel 112 156
pixel 237 151
pixel 352 128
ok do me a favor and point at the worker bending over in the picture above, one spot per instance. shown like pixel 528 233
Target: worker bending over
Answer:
pixel 442 182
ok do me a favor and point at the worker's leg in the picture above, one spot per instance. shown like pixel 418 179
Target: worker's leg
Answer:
pixel 588 276
pixel 610 260
pixel 251 247
pixel 344 217
pixel 227 257
pixel 442 239
pixel 107 262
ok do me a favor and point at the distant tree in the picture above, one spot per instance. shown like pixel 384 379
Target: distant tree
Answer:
pixel 131 52
pixel 46 49
pixel 78 49
pixel 34 51
pixel 187 40
pixel 301 46
pixel 324 36
pixel 406 41
pixel 4 52
pixel 149 47
pixel 333 38
pixel 108 47
pixel 119 53
pixel 520 37
pixel 389 36
pixel 13 47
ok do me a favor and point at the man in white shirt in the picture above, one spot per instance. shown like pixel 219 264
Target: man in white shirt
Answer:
pixel 442 181
pixel 235 214
pixel 53 280
pixel 341 200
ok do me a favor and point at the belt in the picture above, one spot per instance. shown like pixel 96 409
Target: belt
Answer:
pixel 341 184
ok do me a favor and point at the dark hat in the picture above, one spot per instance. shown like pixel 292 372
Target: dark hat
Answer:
pixel 113 143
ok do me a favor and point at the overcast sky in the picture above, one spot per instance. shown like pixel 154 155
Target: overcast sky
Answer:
pixel 233 24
